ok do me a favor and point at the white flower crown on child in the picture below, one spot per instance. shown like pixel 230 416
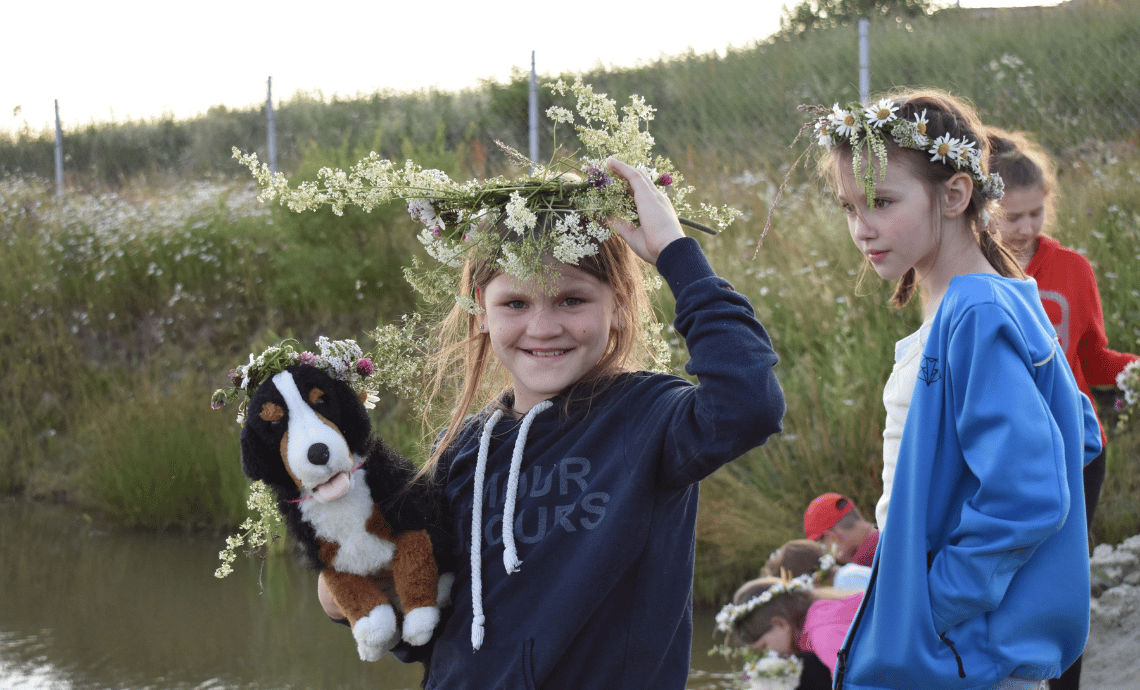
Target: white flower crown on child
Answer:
pixel 460 219
pixel 865 127
pixel 731 613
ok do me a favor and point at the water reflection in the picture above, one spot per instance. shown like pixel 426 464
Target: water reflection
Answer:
pixel 85 606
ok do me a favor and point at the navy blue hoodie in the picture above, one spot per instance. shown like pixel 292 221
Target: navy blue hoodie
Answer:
pixel 606 509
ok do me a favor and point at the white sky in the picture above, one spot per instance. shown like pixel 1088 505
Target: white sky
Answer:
pixel 128 60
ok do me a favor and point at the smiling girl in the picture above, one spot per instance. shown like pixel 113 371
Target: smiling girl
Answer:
pixel 572 487
pixel 981 574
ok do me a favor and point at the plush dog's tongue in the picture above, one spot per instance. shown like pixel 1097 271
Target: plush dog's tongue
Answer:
pixel 333 488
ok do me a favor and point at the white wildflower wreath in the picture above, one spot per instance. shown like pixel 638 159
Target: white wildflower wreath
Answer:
pixel 458 219
pixel 772 671
pixel 1128 381
pixel 731 613
pixel 867 128
pixel 340 359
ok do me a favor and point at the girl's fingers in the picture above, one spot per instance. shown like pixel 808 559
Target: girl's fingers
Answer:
pixel 658 223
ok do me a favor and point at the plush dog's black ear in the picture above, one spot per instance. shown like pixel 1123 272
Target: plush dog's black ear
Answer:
pixel 266 420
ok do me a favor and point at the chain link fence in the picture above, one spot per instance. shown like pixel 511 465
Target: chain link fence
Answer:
pixel 1069 75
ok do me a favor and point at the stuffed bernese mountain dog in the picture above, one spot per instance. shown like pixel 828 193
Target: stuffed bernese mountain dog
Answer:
pixel 352 502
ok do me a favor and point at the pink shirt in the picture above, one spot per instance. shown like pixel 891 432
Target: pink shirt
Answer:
pixel 825 627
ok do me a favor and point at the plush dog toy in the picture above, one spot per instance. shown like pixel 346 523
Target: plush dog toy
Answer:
pixel 351 500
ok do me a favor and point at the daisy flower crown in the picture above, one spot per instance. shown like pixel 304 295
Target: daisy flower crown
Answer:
pixel 866 127
pixel 460 220
pixel 731 613
pixel 341 359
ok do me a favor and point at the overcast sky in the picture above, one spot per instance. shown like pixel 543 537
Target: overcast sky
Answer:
pixel 132 60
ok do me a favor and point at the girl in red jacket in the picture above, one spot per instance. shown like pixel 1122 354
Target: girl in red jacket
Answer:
pixel 1065 282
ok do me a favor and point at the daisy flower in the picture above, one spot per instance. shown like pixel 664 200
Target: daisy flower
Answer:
pixel 881 113
pixel 846 122
pixel 942 147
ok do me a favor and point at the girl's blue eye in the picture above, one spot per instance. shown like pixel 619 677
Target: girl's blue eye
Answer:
pixel 516 304
pixel 882 203
pixel 573 301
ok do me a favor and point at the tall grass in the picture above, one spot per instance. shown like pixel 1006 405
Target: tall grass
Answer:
pixel 120 312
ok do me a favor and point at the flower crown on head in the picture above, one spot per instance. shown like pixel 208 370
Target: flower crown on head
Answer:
pixel 731 613
pixel 460 220
pixel 867 126
pixel 341 359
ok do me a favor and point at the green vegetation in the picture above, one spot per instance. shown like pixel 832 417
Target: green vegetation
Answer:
pixel 122 311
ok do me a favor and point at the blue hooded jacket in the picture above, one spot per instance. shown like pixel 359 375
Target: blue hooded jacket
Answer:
pixel 606 509
pixel 982 571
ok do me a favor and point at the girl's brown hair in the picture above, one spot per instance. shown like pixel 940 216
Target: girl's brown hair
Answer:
pixel 465 368
pixel 797 557
pixel 791 606
pixel 1023 163
pixel 946 115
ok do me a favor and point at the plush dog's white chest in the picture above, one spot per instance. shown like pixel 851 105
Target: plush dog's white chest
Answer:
pixel 343 522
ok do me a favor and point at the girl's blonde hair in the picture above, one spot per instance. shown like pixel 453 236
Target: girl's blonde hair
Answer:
pixel 465 368
pixel 946 115
pixel 791 606
pixel 1023 163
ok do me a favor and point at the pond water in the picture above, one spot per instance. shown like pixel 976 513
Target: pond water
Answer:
pixel 85 606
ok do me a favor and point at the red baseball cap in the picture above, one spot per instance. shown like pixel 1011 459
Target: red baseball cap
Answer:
pixel 822 514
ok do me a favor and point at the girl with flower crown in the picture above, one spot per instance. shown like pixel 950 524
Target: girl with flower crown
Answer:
pixel 981 574
pixel 791 617
pixel 1065 282
pixel 569 476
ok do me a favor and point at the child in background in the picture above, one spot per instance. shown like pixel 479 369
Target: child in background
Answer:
pixel 791 617
pixel 573 490
pixel 806 557
pixel 981 576
pixel 1065 283
pixel 834 520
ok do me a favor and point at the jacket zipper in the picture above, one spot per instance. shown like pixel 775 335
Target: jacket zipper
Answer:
pixel 961 668
pixel 841 656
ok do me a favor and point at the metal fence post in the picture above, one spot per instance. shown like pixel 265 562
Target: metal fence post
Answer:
pixel 864 60
pixel 58 153
pixel 533 111
pixel 270 126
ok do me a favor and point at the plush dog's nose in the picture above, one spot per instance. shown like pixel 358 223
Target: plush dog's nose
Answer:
pixel 319 454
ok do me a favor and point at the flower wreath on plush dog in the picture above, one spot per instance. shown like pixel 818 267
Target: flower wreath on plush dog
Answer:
pixel 347 497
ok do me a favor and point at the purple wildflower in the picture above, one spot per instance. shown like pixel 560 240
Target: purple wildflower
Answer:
pixel 435 231
pixel 364 367
pixel 218 400
pixel 665 179
pixel 235 378
pixel 1119 405
pixel 596 177
pixel 307 358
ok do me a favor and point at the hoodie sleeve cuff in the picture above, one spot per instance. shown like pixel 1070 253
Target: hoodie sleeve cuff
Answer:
pixel 682 263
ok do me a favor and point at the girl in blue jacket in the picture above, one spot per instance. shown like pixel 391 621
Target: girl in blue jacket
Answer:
pixel 573 490
pixel 981 576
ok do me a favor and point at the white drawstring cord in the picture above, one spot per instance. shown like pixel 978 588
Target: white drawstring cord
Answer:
pixel 510 554
pixel 477 618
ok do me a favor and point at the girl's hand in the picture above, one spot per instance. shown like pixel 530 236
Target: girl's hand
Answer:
pixel 659 224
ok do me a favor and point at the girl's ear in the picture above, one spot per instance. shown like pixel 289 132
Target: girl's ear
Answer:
pixel 956 194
